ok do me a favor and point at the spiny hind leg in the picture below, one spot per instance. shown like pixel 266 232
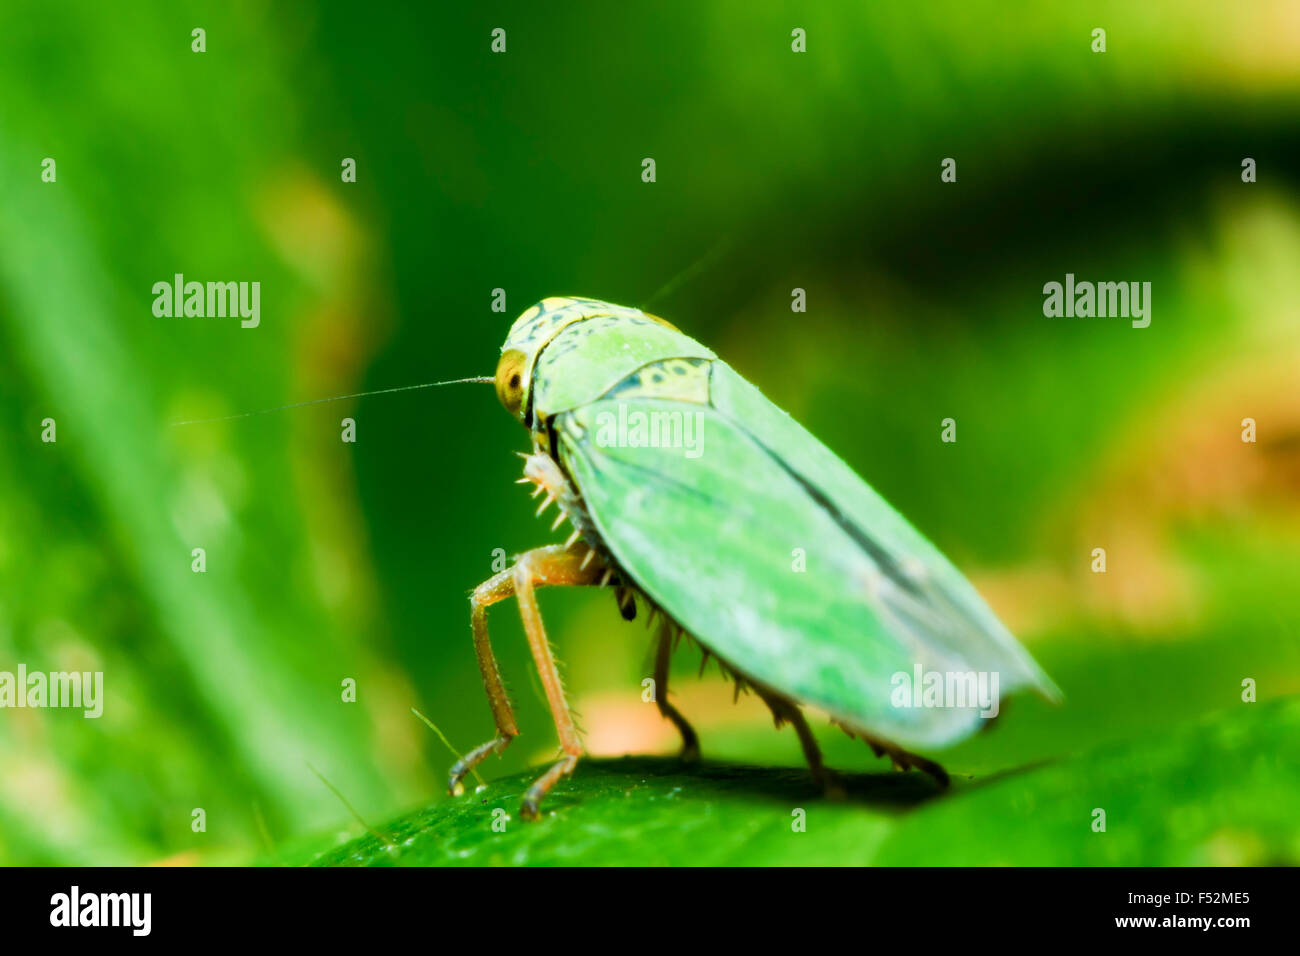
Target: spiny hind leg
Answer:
pixel 904 759
pixel 784 711
pixel 550 565
pixel 663 654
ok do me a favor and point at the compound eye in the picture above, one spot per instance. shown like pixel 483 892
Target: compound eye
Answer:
pixel 510 381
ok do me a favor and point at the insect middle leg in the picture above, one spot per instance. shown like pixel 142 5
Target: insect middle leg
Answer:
pixel 554 565
pixel 663 655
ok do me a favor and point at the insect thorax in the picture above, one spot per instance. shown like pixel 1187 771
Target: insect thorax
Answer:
pixel 589 358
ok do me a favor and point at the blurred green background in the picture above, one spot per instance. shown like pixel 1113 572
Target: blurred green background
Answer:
pixel 522 171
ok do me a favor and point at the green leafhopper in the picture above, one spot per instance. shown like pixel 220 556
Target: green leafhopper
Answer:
pixel 689 493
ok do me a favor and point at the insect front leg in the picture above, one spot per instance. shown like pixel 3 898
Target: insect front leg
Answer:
pixel 494 589
pixel 551 565
pixel 554 565
pixel 663 654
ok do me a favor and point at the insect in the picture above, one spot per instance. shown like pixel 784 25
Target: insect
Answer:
pixel 689 492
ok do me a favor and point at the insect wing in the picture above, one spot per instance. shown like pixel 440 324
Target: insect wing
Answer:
pixel 712 538
pixel 970 629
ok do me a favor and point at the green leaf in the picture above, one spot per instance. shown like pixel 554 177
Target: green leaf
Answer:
pixel 1220 791
pixel 650 811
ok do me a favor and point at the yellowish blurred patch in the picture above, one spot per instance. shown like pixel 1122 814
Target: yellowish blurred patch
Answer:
pixel 621 723
pixel 1220 451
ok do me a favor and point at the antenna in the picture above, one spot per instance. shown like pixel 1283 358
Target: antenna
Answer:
pixel 337 398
